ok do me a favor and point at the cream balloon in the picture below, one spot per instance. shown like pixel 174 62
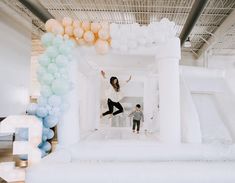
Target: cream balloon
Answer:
pixel 67 21
pixel 86 25
pixel 89 36
pixel 104 25
pixel 103 34
pixel 49 24
pixel 101 46
pixel 66 36
pixel 78 32
pixel 95 27
pixel 68 30
pixel 76 23
pixel 57 29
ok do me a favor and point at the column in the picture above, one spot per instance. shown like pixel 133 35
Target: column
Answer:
pixel 68 127
pixel 167 57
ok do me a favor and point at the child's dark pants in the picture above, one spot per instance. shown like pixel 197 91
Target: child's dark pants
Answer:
pixel 136 122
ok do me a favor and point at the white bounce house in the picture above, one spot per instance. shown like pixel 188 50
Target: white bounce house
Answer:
pixel 188 138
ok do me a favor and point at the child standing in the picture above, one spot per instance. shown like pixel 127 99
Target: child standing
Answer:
pixel 137 116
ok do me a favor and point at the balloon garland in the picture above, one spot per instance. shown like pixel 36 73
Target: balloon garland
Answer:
pixel 83 33
pixel 53 76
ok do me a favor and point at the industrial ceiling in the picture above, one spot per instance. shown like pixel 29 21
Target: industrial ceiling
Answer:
pixel 144 12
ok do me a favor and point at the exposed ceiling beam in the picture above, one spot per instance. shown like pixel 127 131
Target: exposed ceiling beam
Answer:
pixel 219 33
pixel 37 9
pixel 193 16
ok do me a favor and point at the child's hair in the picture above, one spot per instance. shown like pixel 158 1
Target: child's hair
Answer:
pixel 138 106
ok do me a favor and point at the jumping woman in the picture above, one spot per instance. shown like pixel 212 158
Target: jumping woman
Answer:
pixel 114 95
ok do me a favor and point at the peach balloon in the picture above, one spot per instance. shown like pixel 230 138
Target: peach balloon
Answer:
pixel 86 25
pixel 89 36
pixel 67 21
pixel 76 23
pixel 95 27
pixel 57 29
pixel 68 30
pixel 49 24
pixel 103 34
pixel 104 25
pixel 66 36
pixel 101 46
pixel 78 32
pixel 81 41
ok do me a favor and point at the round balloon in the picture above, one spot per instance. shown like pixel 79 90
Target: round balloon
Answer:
pixel 60 87
pixel 61 61
pixel 54 100
pixel 78 32
pixel 45 91
pixel 51 51
pixel 103 34
pixel 68 30
pixel 50 134
pixel 67 21
pixel 76 23
pixel 89 36
pixel 95 27
pixel 46 146
pixel 86 25
pixel 50 121
pixel 31 109
pixel 44 60
pixel 47 39
pixel 52 68
pixel 41 112
pixel 101 46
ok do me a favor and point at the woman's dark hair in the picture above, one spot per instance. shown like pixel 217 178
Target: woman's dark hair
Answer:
pixel 115 86
pixel 138 106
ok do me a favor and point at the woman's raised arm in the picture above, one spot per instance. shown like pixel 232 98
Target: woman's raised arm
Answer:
pixel 103 74
pixel 129 79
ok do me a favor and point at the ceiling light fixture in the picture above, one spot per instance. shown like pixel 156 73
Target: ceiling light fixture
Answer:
pixel 187 43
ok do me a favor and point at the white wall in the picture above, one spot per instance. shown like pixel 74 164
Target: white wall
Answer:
pixel 221 62
pixel 15 52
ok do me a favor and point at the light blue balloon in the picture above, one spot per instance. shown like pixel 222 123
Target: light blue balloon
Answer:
pixel 47 39
pixel 63 71
pixel 57 75
pixel 58 40
pixel 47 78
pixel 50 121
pixel 52 68
pixel 54 100
pixel 42 101
pixel 64 49
pixel 43 153
pixel 41 71
pixel 44 138
pixel 69 43
pixel 59 87
pixel 46 146
pixel 61 61
pixel 44 60
pixel 56 111
pixel 45 130
pixel 41 112
pixel 45 91
pixel 31 109
pixel 50 134
pixel 51 52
